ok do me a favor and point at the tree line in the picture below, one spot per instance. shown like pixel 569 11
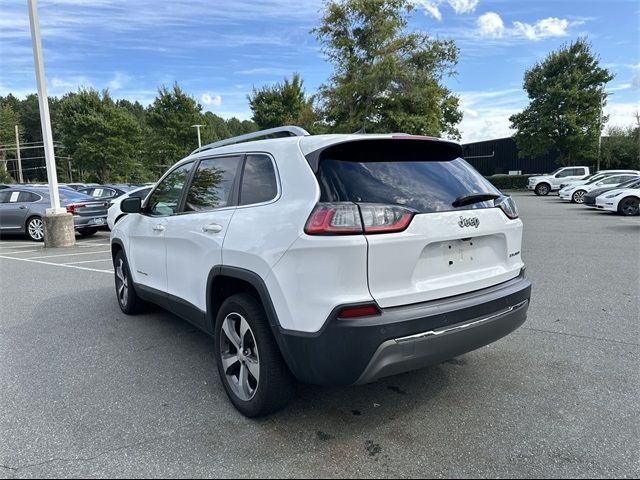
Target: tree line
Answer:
pixel 386 77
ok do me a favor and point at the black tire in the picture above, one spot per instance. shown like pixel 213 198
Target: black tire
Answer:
pixel 578 196
pixel 629 206
pixel 276 386
pixel 87 232
pixel 35 229
pixel 128 299
pixel 542 189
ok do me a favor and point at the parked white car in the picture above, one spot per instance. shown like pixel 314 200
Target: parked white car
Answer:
pixel 115 213
pixel 576 193
pixel 623 201
pixel 543 184
pixel 330 259
pixel 597 177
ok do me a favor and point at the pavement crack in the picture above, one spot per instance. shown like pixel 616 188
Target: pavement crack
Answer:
pixel 9 468
pixel 621 342
pixel 88 459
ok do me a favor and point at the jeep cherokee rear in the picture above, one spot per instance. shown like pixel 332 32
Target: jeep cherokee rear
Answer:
pixel 333 259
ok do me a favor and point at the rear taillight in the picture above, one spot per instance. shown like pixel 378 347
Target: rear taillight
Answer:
pixel 508 207
pixel 71 208
pixel 356 311
pixel 351 218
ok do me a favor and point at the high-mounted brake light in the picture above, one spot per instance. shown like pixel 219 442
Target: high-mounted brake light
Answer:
pixel 351 218
pixel 359 311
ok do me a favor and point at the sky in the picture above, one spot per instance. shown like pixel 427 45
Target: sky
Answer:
pixel 219 50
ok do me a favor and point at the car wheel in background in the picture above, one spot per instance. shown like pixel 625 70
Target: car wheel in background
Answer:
pixel 35 229
pixel 543 189
pixel 251 368
pixel 629 206
pixel 128 299
pixel 87 232
pixel 578 196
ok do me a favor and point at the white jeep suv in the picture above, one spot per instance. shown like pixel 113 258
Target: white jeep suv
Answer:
pixel 330 259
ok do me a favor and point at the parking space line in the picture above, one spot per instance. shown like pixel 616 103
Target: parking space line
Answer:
pixel 69 254
pixel 89 261
pixel 17 245
pixel 29 260
pixel 23 251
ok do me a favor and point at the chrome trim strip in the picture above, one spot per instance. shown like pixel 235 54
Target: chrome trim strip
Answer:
pixel 464 326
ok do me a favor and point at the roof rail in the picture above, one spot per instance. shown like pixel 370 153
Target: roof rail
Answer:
pixel 287 131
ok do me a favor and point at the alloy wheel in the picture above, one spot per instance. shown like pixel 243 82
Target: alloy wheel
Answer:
pixel 36 229
pixel 578 196
pixel 239 355
pixel 629 206
pixel 122 283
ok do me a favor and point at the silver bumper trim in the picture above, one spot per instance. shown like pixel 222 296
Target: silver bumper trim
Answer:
pixel 463 326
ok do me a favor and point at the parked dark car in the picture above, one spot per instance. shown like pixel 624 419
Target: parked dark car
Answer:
pixel 22 209
pixel 590 198
pixel 107 192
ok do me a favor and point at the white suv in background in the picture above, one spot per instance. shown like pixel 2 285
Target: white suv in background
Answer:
pixel 330 259
pixel 543 184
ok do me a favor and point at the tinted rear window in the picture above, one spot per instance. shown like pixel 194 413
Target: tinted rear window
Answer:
pixel 426 186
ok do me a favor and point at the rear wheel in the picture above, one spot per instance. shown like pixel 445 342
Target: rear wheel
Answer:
pixel 543 189
pixel 128 299
pixel 629 206
pixel 251 368
pixel 578 196
pixel 88 232
pixel 35 229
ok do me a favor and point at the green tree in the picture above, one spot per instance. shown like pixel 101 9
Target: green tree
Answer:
pixel 282 104
pixel 385 78
pixel 103 140
pixel 170 118
pixel 566 93
pixel 9 118
pixel 621 148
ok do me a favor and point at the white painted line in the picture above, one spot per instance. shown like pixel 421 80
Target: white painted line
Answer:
pixel 23 251
pixel 56 264
pixel 93 245
pixel 69 254
pixel 17 245
pixel 89 261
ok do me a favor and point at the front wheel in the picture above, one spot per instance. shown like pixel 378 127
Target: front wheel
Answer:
pixel 254 375
pixel 629 206
pixel 543 189
pixel 128 299
pixel 35 229
pixel 578 196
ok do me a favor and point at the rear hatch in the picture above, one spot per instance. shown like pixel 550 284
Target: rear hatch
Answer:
pixel 445 250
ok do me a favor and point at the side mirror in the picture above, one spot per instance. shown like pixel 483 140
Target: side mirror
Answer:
pixel 131 205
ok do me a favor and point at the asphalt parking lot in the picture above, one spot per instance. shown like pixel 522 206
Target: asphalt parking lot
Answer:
pixel 86 391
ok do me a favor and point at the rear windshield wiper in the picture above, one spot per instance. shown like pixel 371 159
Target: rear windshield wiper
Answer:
pixel 470 198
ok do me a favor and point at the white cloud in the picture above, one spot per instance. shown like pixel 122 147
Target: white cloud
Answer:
pixel 431 7
pixel 490 25
pixel 118 81
pixel 548 27
pixel 463 6
pixel 211 99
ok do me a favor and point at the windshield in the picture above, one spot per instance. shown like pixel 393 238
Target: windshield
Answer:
pixel 595 178
pixel 555 171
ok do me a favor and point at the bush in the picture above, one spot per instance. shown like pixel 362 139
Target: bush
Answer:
pixel 510 182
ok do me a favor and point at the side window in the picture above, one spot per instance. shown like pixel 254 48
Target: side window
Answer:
pixel 612 180
pixel 563 173
pixel 164 200
pixel 4 196
pixel 212 184
pixel 28 197
pixel 258 180
pixel 581 172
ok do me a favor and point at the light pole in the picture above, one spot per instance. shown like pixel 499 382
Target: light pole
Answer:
pixel 602 97
pixel 197 127
pixel 20 179
pixel 58 224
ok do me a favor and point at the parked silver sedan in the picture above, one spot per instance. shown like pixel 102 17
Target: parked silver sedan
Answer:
pixel 22 209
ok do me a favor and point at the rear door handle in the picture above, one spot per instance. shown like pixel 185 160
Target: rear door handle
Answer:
pixel 158 228
pixel 212 228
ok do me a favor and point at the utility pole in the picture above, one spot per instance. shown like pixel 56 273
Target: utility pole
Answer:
pixel 197 127
pixel 20 179
pixel 58 224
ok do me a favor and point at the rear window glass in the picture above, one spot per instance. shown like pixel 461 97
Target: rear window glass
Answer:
pixel 426 186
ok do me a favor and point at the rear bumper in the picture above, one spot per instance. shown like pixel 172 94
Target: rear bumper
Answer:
pixel 405 338
pixel 80 222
